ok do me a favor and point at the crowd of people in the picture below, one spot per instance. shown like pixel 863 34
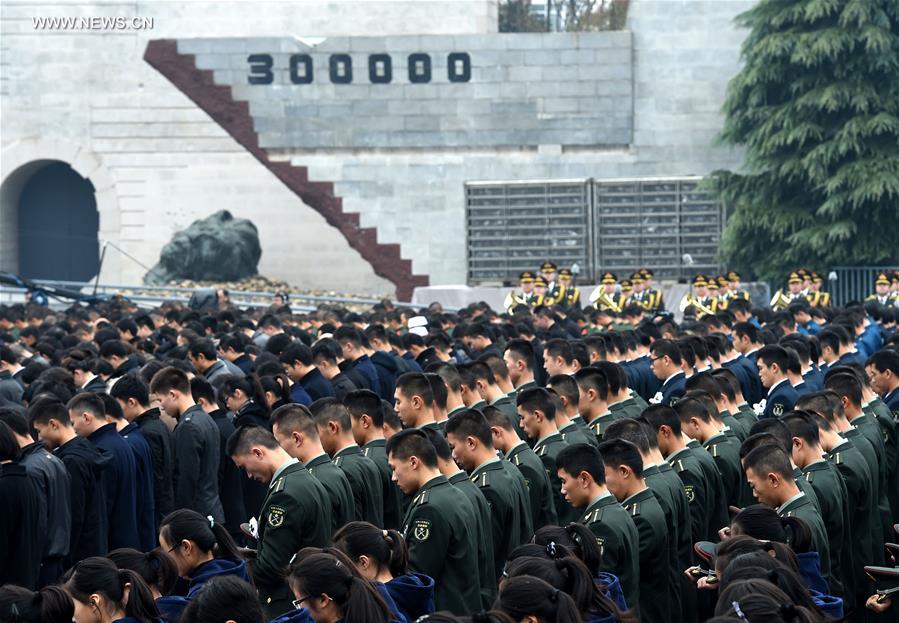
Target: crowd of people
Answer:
pixel 542 465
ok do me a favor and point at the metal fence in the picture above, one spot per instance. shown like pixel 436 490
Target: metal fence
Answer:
pixel 854 283
pixel 667 224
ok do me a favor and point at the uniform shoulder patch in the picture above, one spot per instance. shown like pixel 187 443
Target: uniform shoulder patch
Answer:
pixel 809 476
pixel 337 461
pixel 279 485
pixel 421 529
pixel 421 498
pixel 276 516
pixel 690 492
pixel 602 543
pixel 777 409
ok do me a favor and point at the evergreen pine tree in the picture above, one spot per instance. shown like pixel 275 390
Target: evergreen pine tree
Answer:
pixel 816 107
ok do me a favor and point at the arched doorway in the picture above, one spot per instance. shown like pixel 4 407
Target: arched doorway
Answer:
pixel 57 225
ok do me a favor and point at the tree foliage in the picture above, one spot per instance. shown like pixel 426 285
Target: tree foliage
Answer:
pixel 563 15
pixel 816 107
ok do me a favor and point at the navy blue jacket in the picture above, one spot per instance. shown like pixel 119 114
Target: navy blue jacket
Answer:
pixel 22 543
pixel 90 523
pixel 674 388
pixel 245 363
pixel 413 594
pixel 146 504
pixel 366 368
pixel 316 385
pixel 802 389
pixel 892 400
pixel 780 400
pixel 386 368
pixel 410 359
pixel 162 442
pixel 299 395
pixel 742 374
pixel 172 606
pixel 757 392
pixel 814 380
pixel 120 484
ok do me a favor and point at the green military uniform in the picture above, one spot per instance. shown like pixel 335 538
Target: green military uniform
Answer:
pixel 832 496
pixel 746 416
pixel 572 434
pixel 642 405
pixel 540 491
pixel 800 506
pixel 658 484
pixel 442 545
pixel 484 536
pixel 599 424
pixel 868 426
pixel 717 513
pixel 513 395
pixel 727 458
pixel 509 409
pixel 365 481
pixel 510 511
pixel 619 544
pixel 547 449
pixel 868 452
pixel 296 514
pixel 393 497
pixel 626 408
pixel 434 426
pixel 699 498
pixel 649 518
pixel 862 511
pixel 888 425
pixel 578 421
pixel 739 427
pixel 343 505
pixel 681 507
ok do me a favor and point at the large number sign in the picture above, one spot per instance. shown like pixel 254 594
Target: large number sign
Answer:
pixel 340 68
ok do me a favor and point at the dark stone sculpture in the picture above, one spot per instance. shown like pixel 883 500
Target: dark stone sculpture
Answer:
pixel 216 248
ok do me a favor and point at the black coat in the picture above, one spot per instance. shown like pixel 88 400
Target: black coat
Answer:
pixel 316 385
pixel 161 441
pixel 231 481
pixel 119 483
pixel 95 385
pixel 21 540
pixel 197 458
pixel 388 370
pixel 342 386
pixel 254 492
pixel 90 523
pixel 53 480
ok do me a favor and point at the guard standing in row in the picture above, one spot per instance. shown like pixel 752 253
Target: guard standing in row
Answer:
pixel 524 295
pixel 643 295
pixel 734 291
pixel 569 296
pixel 653 293
pixel 794 293
pixel 548 272
pixel 699 299
pixel 605 297
pixel 882 294
pixel 816 296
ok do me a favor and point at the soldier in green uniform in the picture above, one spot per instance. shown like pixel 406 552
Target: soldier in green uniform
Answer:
pixel 367 413
pixel 882 294
pixel 483 527
pixel 622 403
pixel 437 526
pixel 654 295
pixel 296 432
pixel 674 503
pixel 770 473
pixel 490 393
pixel 571 424
pixel 519 358
pixel 538 419
pixel 296 512
pixel 605 297
pixel 593 387
pixel 624 478
pixel 583 477
pixel 336 433
pixel 468 434
pixel 832 498
pixel 519 454
pixel 415 401
pixel 569 296
pixel 524 295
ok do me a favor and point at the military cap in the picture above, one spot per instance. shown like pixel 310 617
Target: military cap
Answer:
pixel 609 277
pixel 802 272
pixel 637 277
pixel 564 274
pixel 646 272
pixel 794 277
pixel 816 278
pixel 626 285
pixel 733 276
pixel 713 283
pixel 539 282
pixel 882 279
pixel 896 276
pixel 700 280
pixel 548 267
pixel 526 277
pixel 722 281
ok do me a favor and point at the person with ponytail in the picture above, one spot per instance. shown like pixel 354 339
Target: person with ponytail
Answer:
pixel 381 556
pixel 327 585
pixel 570 575
pixel 227 599
pixel 582 543
pixel 531 600
pixel 276 390
pixel 101 593
pixel 760 601
pixel 49 605
pixel 159 571
pixel 201 549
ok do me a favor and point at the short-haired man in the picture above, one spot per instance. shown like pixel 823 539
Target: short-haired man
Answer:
pixel 519 357
pixel 583 477
pixel 300 367
pixel 414 401
pixel 204 356
pixel 196 444
pixel 296 432
pixel 772 362
pixel 666 363
pixel 296 512
pixel 437 526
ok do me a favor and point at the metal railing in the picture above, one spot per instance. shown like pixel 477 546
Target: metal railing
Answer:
pixel 854 283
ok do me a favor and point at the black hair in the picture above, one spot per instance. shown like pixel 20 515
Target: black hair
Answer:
pixel 565 386
pixel 201 388
pixel 365 402
pixel 616 376
pixel 537 399
pixel 224 598
pixel 242 439
pixel 526 595
pixel 156 567
pixel 209 536
pixel 582 457
pixel 845 384
pixel 99 575
pixel 9 446
pixel 111 407
pixel 657 416
pixel 630 430
pixel 592 378
pixel 416 384
pixel 470 423
pixel 441 445
pixel 804 426
pixel 883 360
pixel 746 329
pixel 296 351
pixel 386 547
pixel 329 572
pixel 769 459
pixel 775 427
pixel 15 420
pixel 617 452
pixel 130 386
pixel 51 604
pixel 326 410
pixel 248 385
pixel 438 389
pixel 578 539
pixel 761 601
pixel 412 442
pixel 558 347
pixel 666 348
pixel 763 523
pixel 762 566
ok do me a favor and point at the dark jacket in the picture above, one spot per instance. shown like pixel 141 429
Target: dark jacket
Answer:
pixel 10 390
pixel 197 457
pixel 231 481
pixel 316 385
pixel 254 492
pixel 161 441
pixel 21 540
pixel 90 523
pixel 130 366
pixel 342 386
pixel 299 395
pixel 245 363
pixel 673 388
pixel 367 369
pixel 355 376
pixel 119 483
pixel 410 359
pixel 413 594
pixel 214 568
pixel 385 366
pixel 95 385
pixel 146 506
pixel 53 480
